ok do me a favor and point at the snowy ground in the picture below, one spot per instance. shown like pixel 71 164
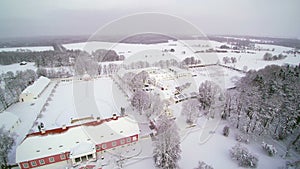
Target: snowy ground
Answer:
pixel 102 97
pixel 31 48
pixel 224 77
pixel 17 67
pixel 255 61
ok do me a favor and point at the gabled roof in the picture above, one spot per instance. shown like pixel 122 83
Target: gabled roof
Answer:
pixel 38 86
pixel 38 145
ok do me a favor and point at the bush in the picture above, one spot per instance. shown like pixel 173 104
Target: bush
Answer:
pixel 242 139
pixel 203 165
pixel 226 131
pixel 243 156
pixel 270 149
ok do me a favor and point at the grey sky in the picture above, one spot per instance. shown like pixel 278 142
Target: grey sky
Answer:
pixel 275 18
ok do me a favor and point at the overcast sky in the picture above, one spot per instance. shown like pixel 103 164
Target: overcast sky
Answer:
pixel 275 18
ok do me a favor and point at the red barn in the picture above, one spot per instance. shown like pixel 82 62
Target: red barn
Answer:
pixel 75 144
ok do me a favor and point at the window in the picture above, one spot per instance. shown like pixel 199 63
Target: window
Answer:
pixel 42 161
pixel 51 159
pixel 98 147
pixel 90 156
pixel 134 138
pixel 77 160
pixel 62 156
pixel 114 144
pixel 33 163
pixel 83 158
pixel 25 165
pixel 122 141
pixel 128 140
pixel 103 146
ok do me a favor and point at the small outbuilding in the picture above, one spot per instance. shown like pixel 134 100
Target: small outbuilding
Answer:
pixel 35 90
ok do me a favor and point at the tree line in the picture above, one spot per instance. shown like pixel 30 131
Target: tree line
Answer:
pixel 13 84
pixel 267 102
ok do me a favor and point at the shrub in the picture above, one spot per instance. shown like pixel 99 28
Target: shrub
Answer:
pixel 243 156
pixel 226 131
pixel 203 165
pixel 270 149
pixel 242 139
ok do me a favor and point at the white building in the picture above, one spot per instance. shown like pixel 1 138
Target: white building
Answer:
pixel 35 90
pixel 9 121
pixel 74 145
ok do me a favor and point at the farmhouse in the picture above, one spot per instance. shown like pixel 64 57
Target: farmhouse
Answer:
pixel 75 145
pixel 35 90
pixel 9 121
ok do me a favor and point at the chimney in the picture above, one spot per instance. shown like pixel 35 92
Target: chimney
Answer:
pixel 64 127
pixel 43 131
pixel 114 117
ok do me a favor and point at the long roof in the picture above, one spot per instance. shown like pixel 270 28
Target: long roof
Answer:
pixel 38 86
pixel 8 119
pixel 56 141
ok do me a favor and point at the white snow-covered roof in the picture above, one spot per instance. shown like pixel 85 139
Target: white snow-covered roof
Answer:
pixel 38 86
pixel 38 146
pixel 82 149
pixel 8 119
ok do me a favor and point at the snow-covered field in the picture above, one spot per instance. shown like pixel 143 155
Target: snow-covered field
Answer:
pixel 17 67
pixel 31 48
pixel 101 97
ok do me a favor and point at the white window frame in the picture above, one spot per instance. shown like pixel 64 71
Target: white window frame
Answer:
pixel 62 156
pixel 103 146
pixel 42 161
pixel 114 144
pixel 128 140
pixel 33 163
pixel 50 159
pixel 25 165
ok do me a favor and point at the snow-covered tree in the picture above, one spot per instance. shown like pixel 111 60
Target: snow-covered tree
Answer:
pixel 167 150
pixel 267 102
pixel 191 110
pixel 139 80
pixel 3 100
pixel 208 92
pixel 140 100
pixel 270 149
pixel 6 144
pixel 243 156
pixel 156 105
pixel 86 64
pixel 226 59
pixel 203 165
pixel 226 131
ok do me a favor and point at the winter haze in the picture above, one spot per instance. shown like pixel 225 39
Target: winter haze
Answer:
pixel 273 18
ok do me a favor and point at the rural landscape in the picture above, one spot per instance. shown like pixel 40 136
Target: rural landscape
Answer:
pixel 140 96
